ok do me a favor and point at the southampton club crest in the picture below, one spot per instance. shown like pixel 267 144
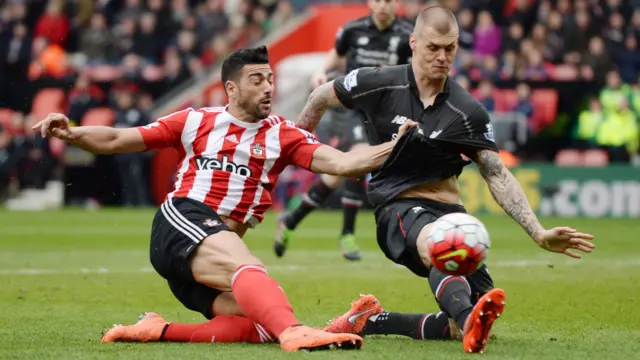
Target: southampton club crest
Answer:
pixel 257 151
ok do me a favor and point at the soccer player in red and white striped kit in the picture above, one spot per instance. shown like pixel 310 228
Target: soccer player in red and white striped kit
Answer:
pixel 230 160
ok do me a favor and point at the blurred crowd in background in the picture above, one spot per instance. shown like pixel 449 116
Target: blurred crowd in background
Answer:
pixel 128 53
pixel 119 53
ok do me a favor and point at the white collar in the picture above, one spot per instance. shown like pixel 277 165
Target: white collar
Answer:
pixel 228 117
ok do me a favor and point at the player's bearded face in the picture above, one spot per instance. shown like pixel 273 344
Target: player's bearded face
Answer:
pixel 434 52
pixel 255 92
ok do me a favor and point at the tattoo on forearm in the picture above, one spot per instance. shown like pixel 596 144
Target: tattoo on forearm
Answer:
pixel 507 191
pixel 319 101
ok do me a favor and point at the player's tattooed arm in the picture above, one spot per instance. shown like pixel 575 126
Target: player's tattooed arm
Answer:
pixel 507 191
pixel 322 98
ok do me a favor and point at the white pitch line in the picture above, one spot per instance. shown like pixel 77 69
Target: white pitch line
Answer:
pixel 288 268
pixel 146 231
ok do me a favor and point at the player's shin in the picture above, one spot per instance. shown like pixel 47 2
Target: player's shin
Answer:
pixel 312 199
pixel 262 299
pixel 221 329
pixel 352 198
pixel 453 294
pixel 415 326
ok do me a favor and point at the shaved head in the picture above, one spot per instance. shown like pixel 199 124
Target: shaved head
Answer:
pixel 434 42
pixel 437 17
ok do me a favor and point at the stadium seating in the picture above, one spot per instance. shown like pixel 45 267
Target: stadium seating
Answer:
pixel 545 103
pixel 568 157
pixel 577 158
pixel 5 118
pixel 102 116
pixel 47 101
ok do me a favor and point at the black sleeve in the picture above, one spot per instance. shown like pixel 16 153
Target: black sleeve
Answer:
pixel 342 41
pixel 358 89
pixel 479 132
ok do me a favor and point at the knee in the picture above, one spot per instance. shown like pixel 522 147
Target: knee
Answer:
pixel 215 262
pixel 226 304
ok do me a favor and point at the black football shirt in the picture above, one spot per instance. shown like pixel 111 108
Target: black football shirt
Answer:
pixel 363 44
pixel 455 124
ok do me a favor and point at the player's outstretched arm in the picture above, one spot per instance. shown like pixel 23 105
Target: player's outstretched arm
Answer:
pixel 95 139
pixel 360 161
pixel 322 98
pixel 509 195
pixel 365 159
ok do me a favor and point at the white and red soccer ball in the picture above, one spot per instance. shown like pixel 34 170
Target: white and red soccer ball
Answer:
pixel 458 244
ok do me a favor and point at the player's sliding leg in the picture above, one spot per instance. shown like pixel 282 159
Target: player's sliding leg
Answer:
pixel 202 259
pixel 352 198
pixel 471 301
pixel 223 262
pixel 366 317
pixel 321 188
pixel 221 329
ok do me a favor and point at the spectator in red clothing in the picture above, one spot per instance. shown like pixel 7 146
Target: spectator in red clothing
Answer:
pixel 53 25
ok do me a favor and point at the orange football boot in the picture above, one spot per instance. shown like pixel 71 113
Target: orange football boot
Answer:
pixel 478 324
pixel 148 328
pixel 354 320
pixel 301 337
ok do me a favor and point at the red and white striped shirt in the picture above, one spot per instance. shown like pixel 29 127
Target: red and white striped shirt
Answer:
pixel 228 164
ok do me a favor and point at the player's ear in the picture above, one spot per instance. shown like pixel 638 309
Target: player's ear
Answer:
pixel 231 88
pixel 412 41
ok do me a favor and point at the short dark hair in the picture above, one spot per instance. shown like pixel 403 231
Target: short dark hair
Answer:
pixel 233 64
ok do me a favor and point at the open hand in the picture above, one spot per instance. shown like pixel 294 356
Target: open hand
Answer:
pixel 563 240
pixel 56 125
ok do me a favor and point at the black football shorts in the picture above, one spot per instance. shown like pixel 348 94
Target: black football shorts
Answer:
pixel 178 228
pixel 398 224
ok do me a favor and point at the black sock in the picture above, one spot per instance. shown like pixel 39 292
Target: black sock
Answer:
pixel 415 326
pixel 349 213
pixel 352 198
pixel 453 294
pixel 313 198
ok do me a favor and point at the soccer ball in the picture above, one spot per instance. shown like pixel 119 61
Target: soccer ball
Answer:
pixel 458 244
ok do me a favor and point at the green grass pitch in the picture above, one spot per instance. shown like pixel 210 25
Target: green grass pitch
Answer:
pixel 66 276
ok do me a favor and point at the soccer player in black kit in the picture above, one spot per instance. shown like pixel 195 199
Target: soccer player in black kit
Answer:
pixel 418 183
pixel 380 39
